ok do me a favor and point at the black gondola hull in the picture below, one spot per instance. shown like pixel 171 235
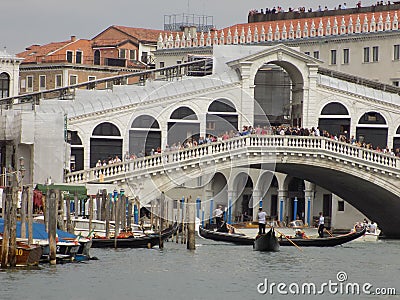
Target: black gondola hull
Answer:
pixel 246 240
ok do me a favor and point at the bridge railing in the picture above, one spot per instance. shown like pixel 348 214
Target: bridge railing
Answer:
pixel 274 143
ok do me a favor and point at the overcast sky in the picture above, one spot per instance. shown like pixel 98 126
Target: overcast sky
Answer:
pixel 27 22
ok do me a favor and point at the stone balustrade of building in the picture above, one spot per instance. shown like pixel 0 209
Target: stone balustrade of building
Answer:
pixel 285 30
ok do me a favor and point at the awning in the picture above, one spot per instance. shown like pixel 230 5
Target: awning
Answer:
pixel 67 190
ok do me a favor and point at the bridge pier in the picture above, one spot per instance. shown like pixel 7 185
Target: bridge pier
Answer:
pixel 309 202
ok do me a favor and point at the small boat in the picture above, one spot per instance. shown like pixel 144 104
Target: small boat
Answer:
pixel 235 238
pixel 26 255
pixel 135 241
pixel 266 242
pixel 67 245
pixel 241 239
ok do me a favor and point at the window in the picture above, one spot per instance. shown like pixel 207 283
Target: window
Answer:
pixel 58 80
pixel 132 54
pixel 145 57
pixel 210 126
pixel 42 82
pixel 78 58
pixel 333 57
pixel 366 54
pixel 307 53
pixel 92 85
pixel 69 56
pixel 122 53
pixel 346 56
pixel 73 79
pixel 396 82
pixel 340 206
pixel 29 83
pixel 396 53
pixel 162 65
pixel 375 53
pixel 316 54
pixel 4 85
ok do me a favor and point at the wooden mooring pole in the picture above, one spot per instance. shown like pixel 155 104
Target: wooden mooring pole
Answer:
pixel 52 207
pixel 13 224
pixel 30 215
pixel 191 243
pixel 162 216
pixel 6 230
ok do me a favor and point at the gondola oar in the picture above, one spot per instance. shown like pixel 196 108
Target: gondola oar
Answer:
pixel 330 234
pixel 294 244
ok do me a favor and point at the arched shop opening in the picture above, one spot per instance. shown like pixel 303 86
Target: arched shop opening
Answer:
pixel 105 143
pixel 221 117
pixel 77 151
pixel 335 119
pixel 372 129
pixel 396 142
pixel 144 135
pixel 182 126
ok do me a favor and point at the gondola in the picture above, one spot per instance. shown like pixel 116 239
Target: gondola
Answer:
pixel 240 239
pixel 144 241
pixel 266 242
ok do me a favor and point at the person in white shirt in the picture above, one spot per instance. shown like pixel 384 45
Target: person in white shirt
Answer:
pixel 218 213
pixel 321 225
pixel 261 221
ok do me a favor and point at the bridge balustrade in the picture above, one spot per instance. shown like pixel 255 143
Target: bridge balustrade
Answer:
pixel 274 143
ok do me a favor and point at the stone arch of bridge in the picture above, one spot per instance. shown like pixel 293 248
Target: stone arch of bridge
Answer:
pixel 370 198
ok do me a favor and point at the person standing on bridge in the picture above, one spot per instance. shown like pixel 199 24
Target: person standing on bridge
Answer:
pixel 321 225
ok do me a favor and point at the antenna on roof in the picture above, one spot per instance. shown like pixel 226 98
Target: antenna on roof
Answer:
pixel 188 6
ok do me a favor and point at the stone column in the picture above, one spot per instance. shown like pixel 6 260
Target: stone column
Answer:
pixel 309 202
pixel 282 205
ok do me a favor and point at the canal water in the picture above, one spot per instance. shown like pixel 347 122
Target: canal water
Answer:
pixel 214 271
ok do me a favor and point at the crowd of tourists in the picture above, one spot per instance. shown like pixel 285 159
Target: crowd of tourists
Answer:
pixel 302 9
pixel 249 130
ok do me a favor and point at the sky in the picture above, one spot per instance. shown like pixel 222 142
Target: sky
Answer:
pixel 27 22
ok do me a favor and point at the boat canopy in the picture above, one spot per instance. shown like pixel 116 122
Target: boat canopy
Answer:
pixel 67 190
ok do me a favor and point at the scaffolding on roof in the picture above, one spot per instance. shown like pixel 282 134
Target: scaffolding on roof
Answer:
pixel 177 22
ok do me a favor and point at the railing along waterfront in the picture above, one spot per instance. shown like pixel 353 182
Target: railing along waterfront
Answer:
pixel 274 144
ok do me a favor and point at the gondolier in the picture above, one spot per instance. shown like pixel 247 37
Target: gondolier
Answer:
pixel 261 221
pixel 321 225
pixel 218 214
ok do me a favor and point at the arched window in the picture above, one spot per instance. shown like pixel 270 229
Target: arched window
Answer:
pixel 107 129
pixel 372 118
pixel 183 113
pixel 96 57
pixel 4 85
pixel 334 108
pixel 145 121
pixel 222 105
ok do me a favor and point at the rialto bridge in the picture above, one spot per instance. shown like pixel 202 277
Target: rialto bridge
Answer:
pixel 250 85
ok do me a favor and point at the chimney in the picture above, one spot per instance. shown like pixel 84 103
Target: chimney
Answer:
pixel 73 38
